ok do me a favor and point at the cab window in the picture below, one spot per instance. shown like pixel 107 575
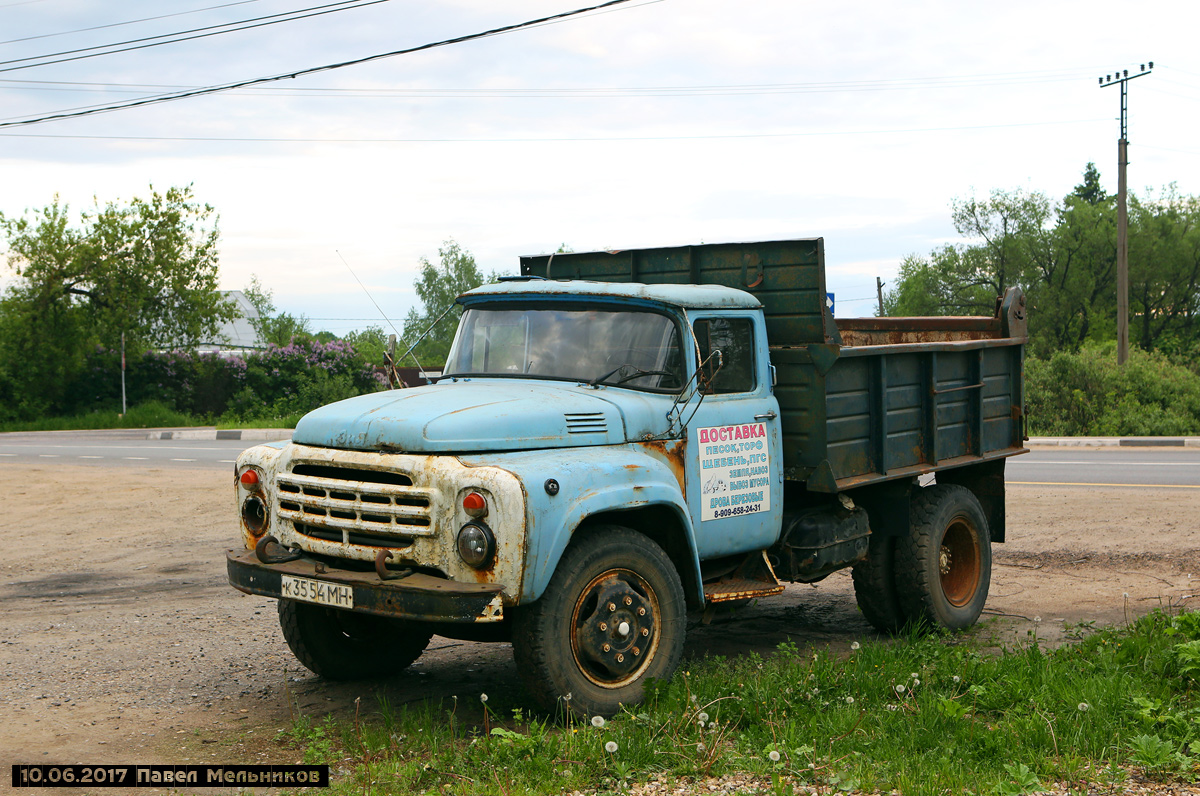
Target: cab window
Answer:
pixel 733 370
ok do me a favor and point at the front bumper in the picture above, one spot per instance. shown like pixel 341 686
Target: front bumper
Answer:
pixel 417 597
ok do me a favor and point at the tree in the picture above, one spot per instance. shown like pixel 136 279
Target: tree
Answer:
pixel 1090 189
pixel 437 287
pixel 272 326
pixel 1065 260
pixel 146 270
pixel 1164 272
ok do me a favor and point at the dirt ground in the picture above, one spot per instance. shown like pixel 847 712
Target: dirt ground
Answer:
pixel 121 642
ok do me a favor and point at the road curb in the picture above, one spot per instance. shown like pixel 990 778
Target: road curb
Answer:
pixel 245 434
pixel 1115 442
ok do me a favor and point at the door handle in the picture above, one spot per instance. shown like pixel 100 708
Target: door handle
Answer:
pixel 767 416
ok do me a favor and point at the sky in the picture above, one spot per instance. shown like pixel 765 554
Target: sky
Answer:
pixel 660 123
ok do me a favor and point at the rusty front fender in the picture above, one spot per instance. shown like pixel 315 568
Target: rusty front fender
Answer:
pixel 606 480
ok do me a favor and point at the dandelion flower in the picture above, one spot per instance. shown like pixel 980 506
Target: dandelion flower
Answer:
pixel 900 689
pixel 611 747
pixel 483 697
pixel 774 756
pixel 700 724
pixel 700 747
pixel 913 675
pixel 854 645
pixel 1037 619
pixel 1083 707
pixel 693 698
pixel 956 678
pixel 703 717
pixel 849 700
pixel 916 682
pixel 597 721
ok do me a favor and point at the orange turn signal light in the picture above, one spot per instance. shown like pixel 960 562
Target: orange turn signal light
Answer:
pixel 474 504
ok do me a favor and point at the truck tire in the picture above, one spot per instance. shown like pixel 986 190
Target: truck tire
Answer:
pixel 875 585
pixel 343 645
pixel 944 564
pixel 612 617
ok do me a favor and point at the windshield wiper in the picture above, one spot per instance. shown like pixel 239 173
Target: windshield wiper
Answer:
pixel 637 374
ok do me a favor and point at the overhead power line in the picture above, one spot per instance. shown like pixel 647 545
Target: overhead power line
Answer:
pixel 894 84
pixel 187 35
pixel 128 22
pixel 546 139
pixel 170 97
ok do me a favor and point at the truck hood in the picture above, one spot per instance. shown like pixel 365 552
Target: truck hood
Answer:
pixel 484 415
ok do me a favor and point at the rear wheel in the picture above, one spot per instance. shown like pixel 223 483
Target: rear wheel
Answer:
pixel 612 617
pixel 875 585
pixel 344 645
pixel 944 564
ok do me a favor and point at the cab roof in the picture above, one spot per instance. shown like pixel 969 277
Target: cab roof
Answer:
pixel 703 297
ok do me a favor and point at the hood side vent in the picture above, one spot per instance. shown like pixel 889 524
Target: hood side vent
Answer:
pixel 586 423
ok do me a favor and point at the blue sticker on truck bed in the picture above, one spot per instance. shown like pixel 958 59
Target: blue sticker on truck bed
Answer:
pixel 735 465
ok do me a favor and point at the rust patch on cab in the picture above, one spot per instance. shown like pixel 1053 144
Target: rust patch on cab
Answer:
pixel 674 453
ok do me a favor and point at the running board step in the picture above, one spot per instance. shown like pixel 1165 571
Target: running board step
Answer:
pixel 754 578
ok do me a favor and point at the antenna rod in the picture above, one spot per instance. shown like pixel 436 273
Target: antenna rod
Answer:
pixel 424 375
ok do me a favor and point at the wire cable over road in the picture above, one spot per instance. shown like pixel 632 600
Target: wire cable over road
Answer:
pixel 178 95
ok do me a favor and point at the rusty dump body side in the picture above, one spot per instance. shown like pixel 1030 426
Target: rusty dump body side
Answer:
pixel 862 401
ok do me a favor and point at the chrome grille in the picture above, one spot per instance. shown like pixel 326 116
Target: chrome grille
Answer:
pixel 586 423
pixel 356 504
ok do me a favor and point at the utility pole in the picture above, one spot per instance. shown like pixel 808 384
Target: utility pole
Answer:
pixel 879 293
pixel 1122 78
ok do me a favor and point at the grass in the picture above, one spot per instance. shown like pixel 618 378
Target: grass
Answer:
pixel 274 421
pixel 152 414
pixel 923 715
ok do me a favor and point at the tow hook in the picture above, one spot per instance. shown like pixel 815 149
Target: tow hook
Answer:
pixel 270 551
pixel 383 572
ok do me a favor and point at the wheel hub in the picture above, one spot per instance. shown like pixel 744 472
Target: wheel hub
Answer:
pixel 959 561
pixel 614 629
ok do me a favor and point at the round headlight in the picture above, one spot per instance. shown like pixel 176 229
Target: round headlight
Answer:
pixel 254 515
pixel 476 545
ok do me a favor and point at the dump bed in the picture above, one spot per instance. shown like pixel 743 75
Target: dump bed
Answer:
pixel 862 400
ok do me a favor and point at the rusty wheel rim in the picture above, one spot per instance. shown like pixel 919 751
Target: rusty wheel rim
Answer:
pixel 959 562
pixel 614 628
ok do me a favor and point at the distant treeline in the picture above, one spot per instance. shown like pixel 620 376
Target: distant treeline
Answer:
pixel 1063 255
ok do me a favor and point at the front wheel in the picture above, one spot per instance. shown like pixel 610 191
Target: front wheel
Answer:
pixel 343 645
pixel 612 617
pixel 944 564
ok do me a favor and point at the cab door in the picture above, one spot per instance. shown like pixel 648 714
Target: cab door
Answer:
pixel 735 484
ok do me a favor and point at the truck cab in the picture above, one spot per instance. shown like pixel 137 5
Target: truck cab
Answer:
pixel 597 459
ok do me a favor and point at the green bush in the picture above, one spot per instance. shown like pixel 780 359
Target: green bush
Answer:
pixel 275 386
pixel 291 380
pixel 151 414
pixel 1088 394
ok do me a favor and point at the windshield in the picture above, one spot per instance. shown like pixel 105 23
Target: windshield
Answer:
pixel 629 348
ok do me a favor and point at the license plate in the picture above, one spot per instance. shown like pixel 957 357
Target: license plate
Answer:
pixel 308 590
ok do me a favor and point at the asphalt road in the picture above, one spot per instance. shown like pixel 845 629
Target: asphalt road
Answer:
pixel 1152 466
pixel 116 449
pixel 1175 468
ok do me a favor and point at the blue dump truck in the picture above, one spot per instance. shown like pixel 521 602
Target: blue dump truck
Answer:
pixel 621 438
